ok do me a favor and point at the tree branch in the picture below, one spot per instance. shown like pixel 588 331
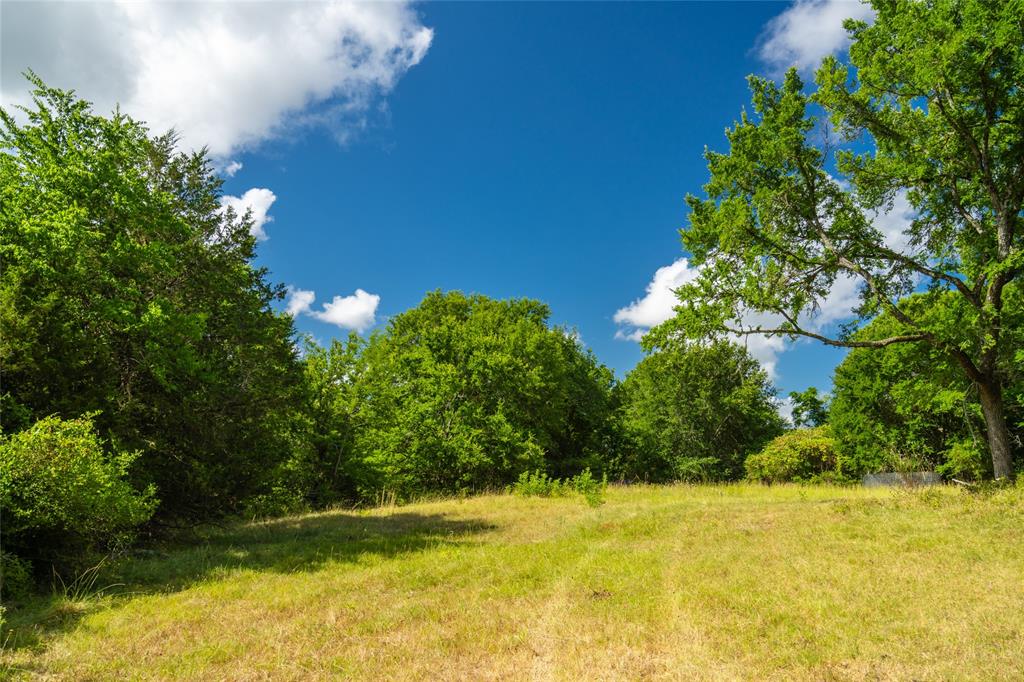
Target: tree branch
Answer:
pixel 879 343
pixel 961 286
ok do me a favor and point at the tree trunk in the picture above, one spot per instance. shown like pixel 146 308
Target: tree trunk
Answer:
pixel 991 395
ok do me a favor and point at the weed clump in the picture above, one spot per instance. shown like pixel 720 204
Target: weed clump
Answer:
pixel 539 484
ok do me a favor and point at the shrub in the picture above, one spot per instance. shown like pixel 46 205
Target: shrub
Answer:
pixel 280 500
pixel 539 484
pixel 798 456
pixel 15 577
pixel 966 459
pixel 63 498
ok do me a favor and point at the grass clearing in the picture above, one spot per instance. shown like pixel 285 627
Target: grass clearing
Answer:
pixel 677 582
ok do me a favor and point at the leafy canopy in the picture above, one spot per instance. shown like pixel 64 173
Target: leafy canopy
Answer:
pixel 930 108
pixel 127 290
pixel 467 392
pixel 809 407
pixel 694 412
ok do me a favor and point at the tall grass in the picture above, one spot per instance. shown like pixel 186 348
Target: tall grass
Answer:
pixel 662 582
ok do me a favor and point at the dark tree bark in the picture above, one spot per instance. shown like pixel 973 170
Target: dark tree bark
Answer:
pixel 991 395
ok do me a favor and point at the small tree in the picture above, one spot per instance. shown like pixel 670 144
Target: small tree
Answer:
pixel 933 110
pixel 63 498
pixel 809 408
pixel 694 412
pixel 467 392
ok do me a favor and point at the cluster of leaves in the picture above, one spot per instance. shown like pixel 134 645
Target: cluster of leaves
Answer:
pixel 539 484
pixel 809 407
pixel 799 456
pixel 64 499
pixel 16 580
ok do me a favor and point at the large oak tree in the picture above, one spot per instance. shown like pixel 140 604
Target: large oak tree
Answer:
pixel 930 108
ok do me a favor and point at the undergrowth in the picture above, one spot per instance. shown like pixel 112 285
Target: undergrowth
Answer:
pixel 539 484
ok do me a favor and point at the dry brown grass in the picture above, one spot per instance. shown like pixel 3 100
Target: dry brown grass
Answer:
pixel 682 582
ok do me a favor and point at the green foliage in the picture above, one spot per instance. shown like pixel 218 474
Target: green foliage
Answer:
pixel 63 498
pixel 330 467
pixel 539 484
pixel 964 460
pixel 15 579
pixel 694 412
pixel 128 290
pixel 465 393
pixel 909 407
pixel 930 108
pixel 280 500
pixel 798 456
pixel 809 408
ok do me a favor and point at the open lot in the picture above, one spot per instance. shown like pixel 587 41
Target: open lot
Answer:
pixel 679 582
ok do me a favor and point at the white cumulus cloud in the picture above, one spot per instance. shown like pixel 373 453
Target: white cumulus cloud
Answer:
pixel 358 311
pixel 784 406
pixel 258 200
pixel 232 168
pixel 227 75
pixel 657 304
pixel 299 301
pixel 808 31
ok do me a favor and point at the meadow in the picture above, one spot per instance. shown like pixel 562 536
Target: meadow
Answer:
pixel 664 582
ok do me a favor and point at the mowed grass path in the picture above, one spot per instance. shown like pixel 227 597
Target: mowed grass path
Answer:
pixel 681 582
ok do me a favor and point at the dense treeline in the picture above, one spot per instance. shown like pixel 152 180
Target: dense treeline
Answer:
pixel 149 380
pixel 460 393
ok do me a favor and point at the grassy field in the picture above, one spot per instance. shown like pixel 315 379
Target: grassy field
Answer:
pixel 682 582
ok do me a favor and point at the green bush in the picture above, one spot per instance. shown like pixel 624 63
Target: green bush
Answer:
pixel 281 500
pixel 15 577
pixel 539 484
pixel 966 459
pixel 802 455
pixel 63 498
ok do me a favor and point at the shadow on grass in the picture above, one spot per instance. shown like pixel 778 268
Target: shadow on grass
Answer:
pixel 288 545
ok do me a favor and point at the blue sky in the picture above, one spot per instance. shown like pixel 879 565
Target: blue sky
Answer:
pixel 511 149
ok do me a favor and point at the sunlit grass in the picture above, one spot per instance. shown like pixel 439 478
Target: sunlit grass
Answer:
pixel 693 582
